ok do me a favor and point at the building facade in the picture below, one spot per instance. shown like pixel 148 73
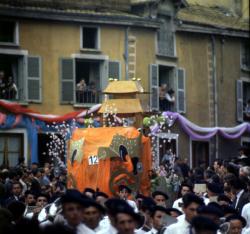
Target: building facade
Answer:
pixel 61 54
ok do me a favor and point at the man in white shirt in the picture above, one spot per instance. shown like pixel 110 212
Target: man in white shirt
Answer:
pixel 191 203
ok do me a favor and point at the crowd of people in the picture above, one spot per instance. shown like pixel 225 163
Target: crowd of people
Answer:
pixel 208 201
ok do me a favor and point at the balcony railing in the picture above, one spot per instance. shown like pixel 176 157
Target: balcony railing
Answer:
pixel 88 96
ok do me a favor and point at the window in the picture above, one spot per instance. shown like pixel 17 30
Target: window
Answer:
pixel 245 55
pixel 8 32
pixel 90 38
pixel 166 38
pixel 20 77
pixel 11 149
pixel 243 100
pixel 87 81
pixel 168 89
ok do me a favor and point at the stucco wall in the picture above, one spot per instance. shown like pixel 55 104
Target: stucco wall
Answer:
pixel 52 41
pixel 192 56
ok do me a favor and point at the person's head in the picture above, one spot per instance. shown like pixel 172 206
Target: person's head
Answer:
pixel 244 171
pixel 72 206
pixel 160 198
pixel 228 211
pixel 157 216
pixel 203 225
pixel 36 173
pixel 147 206
pixel 217 164
pixel 47 171
pixel 211 211
pixel 34 166
pixel 237 185
pixel 42 200
pixel 101 198
pixel 16 189
pixel 224 200
pixel 191 203
pixel 164 86
pixel 92 213
pixel 89 192
pixel 174 212
pixel 30 198
pixel 126 220
pixel 17 209
pixel 82 81
pixel 214 189
pixel 185 188
pixel 237 223
pixel 124 191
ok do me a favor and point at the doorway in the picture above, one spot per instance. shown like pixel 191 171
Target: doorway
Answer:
pixel 200 154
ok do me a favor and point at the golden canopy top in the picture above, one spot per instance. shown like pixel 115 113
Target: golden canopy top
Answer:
pixel 123 86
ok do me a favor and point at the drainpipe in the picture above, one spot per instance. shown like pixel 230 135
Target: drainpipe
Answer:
pixel 215 97
pixel 125 55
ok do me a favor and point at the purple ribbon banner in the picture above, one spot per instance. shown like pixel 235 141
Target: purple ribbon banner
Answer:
pixel 196 132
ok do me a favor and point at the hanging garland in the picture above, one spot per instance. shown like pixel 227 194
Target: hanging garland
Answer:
pixel 194 131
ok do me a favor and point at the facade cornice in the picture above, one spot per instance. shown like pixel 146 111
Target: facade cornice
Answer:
pixel 199 28
pixel 79 17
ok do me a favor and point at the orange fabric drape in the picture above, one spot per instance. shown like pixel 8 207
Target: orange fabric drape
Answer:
pixel 98 176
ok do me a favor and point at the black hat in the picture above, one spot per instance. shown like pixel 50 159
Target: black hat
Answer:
pixel 238 217
pixel 91 203
pixel 155 193
pixel 72 195
pixel 114 204
pixel 169 210
pixel 102 194
pixel 201 223
pixel 225 198
pixel 17 209
pixel 215 188
pixel 159 208
pixel 90 190
pixel 210 209
pixel 228 210
pixel 122 187
pixel 127 209
pixel 148 203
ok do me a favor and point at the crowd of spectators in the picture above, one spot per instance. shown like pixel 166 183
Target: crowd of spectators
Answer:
pixel 199 200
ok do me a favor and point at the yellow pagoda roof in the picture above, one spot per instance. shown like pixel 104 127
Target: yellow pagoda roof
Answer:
pixel 121 106
pixel 123 86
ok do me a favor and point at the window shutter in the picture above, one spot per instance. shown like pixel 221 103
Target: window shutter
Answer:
pixel 67 79
pixel 34 79
pixel 239 94
pixel 154 86
pixel 181 91
pixel 114 70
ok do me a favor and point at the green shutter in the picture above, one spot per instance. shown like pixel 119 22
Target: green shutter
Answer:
pixel 34 89
pixel 67 80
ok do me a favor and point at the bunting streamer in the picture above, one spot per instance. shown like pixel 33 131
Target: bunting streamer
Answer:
pixel 17 109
